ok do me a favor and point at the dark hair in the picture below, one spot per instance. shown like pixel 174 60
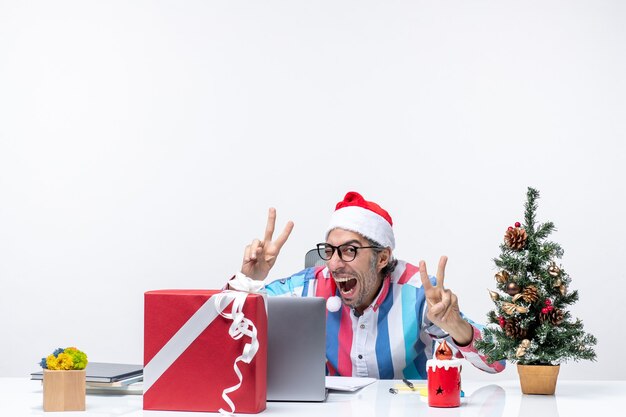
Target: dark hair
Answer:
pixel 391 264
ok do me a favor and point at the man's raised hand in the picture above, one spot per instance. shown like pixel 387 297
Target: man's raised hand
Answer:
pixel 443 305
pixel 259 256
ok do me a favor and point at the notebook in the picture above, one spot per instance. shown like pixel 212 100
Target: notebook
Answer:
pixel 106 372
pixel 296 349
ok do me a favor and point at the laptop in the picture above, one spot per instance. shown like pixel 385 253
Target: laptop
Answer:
pixel 296 349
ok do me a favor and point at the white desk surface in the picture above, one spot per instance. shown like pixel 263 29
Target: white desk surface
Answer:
pixel 23 397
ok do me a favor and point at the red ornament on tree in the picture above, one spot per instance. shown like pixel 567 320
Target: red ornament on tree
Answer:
pixel 517 224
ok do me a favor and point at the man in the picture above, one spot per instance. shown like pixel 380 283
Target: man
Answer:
pixel 384 314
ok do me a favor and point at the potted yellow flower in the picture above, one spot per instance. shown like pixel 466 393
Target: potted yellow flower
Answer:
pixel 64 380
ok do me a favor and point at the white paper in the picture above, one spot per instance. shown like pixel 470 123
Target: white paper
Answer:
pixel 347 383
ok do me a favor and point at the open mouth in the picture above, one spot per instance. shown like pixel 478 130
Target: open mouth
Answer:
pixel 347 286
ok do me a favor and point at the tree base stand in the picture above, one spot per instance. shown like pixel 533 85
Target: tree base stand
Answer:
pixel 538 379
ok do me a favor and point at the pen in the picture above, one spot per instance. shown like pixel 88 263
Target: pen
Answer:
pixel 408 383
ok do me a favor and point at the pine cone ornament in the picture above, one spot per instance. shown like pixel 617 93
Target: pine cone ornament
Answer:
pixel 515 238
pixel 512 329
pixel 552 315
pixel 530 294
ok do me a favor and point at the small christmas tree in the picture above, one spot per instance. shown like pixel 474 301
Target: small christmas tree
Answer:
pixel 532 325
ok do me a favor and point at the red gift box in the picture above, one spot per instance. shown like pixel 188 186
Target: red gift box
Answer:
pixel 189 354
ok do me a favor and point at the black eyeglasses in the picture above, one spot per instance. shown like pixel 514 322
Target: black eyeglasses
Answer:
pixel 346 252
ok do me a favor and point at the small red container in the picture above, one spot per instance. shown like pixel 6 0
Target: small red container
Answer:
pixel 444 382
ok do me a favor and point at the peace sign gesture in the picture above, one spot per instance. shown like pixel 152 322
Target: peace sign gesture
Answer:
pixel 443 305
pixel 259 256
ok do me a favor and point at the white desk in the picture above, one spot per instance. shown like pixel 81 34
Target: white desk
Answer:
pixel 23 397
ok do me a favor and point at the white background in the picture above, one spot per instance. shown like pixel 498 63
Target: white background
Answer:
pixel 141 143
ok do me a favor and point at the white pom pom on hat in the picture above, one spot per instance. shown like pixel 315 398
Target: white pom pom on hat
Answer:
pixel 367 218
pixel 333 304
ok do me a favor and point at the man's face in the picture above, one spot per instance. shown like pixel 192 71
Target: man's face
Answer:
pixel 357 280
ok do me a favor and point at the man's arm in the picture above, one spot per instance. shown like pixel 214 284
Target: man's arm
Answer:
pixel 299 284
pixel 471 354
pixel 468 351
pixel 442 309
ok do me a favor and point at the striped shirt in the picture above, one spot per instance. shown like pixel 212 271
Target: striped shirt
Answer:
pixel 392 339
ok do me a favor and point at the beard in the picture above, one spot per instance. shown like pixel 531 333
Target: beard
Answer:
pixel 366 285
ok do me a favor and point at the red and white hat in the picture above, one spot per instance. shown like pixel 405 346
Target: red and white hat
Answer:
pixel 363 217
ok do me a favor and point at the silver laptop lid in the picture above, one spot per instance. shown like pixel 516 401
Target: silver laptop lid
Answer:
pixel 296 350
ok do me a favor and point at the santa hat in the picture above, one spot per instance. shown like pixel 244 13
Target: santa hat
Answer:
pixel 365 218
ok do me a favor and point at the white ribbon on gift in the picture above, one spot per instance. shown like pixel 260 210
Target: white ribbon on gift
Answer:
pixel 197 323
pixel 240 327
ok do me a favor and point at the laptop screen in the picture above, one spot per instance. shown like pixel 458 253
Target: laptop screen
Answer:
pixel 296 351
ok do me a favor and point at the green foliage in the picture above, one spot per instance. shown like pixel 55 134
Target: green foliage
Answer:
pixel 552 335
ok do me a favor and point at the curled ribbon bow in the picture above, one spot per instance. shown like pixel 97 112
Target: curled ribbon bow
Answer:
pixel 240 327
